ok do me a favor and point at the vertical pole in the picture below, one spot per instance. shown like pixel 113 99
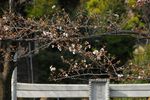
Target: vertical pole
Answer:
pixel 14 85
pixel 31 63
pixel 10 5
pixel 99 89
pixel 58 99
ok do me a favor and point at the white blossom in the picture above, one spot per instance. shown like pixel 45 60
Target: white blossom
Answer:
pixel 59 47
pixel 95 52
pixel 65 34
pixel 116 15
pixel 95 27
pixel 73 45
pixel 75 66
pixel 46 33
pixel 98 57
pixel 6 28
pixel 54 35
pixel 143 71
pixel 89 46
pixel 84 60
pixel 80 46
pixel 75 28
pixel 138 0
pixel 86 66
pixel 54 6
pixel 59 27
pixel 74 52
pixel 102 49
pixel 139 77
pixel 53 46
pixel 130 63
pixel 66 75
pixel 52 68
pixel 86 43
pixel 4 17
pixel 70 49
pixel 120 75
pixel 62 57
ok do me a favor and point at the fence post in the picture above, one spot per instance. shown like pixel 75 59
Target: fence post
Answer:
pixel 99 89
pixel 14 85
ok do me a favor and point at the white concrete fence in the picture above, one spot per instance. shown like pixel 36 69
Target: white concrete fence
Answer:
pixel 99 89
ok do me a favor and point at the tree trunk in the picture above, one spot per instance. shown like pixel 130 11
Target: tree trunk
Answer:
pixel 1 87
pixel 7 87
pixel 5 76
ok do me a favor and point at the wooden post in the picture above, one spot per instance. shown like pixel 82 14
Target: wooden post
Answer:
pixel 14 85
pixel 99 89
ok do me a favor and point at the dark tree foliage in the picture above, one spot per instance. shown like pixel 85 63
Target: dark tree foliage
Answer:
pixel 69 5
pixel 3 5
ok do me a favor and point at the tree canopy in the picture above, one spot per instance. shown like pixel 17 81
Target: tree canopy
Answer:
pixel 93 39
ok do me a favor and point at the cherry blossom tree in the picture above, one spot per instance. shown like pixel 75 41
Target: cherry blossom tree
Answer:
pixel 64 33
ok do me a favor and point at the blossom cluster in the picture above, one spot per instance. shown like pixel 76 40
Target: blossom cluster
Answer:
pixel 142 2
pixel 93 63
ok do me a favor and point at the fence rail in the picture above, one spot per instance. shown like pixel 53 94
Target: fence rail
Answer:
pixel 52 90
pixel 79 90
